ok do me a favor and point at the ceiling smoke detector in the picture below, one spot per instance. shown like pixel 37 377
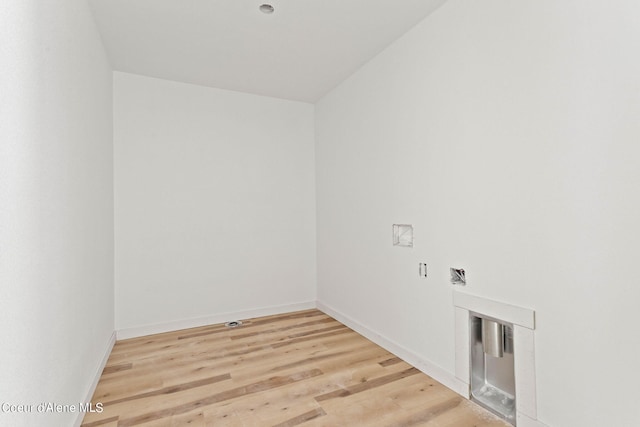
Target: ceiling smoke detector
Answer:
pixel 266 8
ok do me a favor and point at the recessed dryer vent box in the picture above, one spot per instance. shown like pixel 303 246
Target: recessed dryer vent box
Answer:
pixel 402 235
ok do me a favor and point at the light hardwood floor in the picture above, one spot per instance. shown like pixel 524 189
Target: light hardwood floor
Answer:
pixel 302 368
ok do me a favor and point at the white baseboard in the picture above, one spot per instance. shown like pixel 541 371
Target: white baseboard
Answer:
pixel 96 377
pixel 434 371
pixel 140 331
pixel 525 421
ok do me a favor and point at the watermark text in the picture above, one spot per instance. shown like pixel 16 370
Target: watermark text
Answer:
pixel 51 407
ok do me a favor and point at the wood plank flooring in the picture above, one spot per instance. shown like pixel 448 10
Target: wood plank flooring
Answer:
pixel 297 369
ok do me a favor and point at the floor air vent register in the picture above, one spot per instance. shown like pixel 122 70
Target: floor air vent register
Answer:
pixel 233 324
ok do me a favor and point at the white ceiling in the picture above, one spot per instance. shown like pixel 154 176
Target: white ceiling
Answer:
pixel 300 52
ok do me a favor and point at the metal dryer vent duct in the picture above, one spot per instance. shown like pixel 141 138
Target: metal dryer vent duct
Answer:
pixel 492 338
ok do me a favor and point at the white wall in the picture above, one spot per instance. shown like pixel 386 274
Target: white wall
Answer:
pixel 56 206
pixel 507 134
pixel 215 205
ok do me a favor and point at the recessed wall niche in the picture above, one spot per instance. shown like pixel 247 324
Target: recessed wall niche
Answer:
pixel 402 235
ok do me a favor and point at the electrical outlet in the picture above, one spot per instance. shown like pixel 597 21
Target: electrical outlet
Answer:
pixel 458 276
pixel 422 270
